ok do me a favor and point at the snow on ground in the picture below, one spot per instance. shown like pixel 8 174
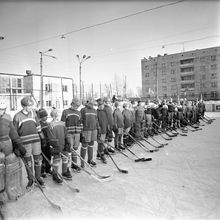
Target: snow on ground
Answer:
pixel 181 182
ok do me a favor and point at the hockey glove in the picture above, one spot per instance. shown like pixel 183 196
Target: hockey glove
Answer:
pixel 20 151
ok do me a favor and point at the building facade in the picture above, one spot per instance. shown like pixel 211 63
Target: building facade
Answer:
pixel 190 75
pixel 57 91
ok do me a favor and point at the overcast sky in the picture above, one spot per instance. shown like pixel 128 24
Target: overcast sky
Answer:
pixel 116 48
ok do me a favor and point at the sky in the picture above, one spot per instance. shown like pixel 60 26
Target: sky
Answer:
pixel 116 34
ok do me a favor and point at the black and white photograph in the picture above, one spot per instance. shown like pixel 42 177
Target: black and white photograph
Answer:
pixel 109 109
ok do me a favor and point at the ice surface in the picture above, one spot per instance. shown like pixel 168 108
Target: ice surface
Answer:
pixel 181 182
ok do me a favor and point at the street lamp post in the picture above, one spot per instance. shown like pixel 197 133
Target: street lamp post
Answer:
pixel 81 60
pixel 41 75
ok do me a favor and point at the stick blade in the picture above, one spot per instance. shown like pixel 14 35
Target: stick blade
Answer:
pixel 124 171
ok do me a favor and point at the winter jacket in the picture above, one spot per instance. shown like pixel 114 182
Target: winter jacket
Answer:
pixel 127 118
pixel 103 121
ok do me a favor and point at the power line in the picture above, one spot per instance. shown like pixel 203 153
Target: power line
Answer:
pixel 93 26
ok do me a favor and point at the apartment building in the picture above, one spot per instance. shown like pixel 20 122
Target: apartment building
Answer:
pixel 190 75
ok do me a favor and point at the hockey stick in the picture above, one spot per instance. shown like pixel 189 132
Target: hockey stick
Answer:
pixel 208 118
pixel 1 214
pixel 150 142
pixel 64 181
pixel 158 141
pixel 145 139
pixel 57 207
pixel 178 132
pixel 168 139
pixel 141 145
pixel 164 131
pixel 120 170
pixel 139 158
pixel 100 176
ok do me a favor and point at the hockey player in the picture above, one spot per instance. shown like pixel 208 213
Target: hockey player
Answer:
pixel 139 119
pixel 127 119
pixel 89 133
pixel 9 164
pixel 108 111
pixel 28 127
pixel 118 126
pixel 60 132
pixel 102 130
pixel 73 122
pixel 49 147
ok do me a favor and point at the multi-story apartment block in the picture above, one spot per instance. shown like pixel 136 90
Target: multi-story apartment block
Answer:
pixel 57 91
pixel 187 75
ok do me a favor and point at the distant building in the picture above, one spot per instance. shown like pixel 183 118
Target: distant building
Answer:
pixel 187 75
pixel 57 90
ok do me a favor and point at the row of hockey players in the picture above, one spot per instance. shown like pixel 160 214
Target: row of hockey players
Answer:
pixel 30 136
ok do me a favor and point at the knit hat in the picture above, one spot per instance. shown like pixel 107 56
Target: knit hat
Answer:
pixel 54 113
pixel 75 101
pixel 116 104
pixel 42 113
pixel 26 101
pixel 100 102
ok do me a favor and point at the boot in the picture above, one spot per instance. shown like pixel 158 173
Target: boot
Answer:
pixel 92 163
pixel 41 182
pixel 56 178
pixel 103 158
pixel 90 155
pixel 67 175
pixel 83 153
pixel 30 185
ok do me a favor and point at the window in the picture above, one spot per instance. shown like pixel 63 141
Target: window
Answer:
pixel 188 85
pixel 171 63
pixel 164 88
pixel 187 69
pixel 147 74
pixel 213 58
pixel 202 59
pixel 173 79
pixel 202 68
pixel 19 83
pixel 214 94
pixel 173 87
pixel 19 90
pixel 203 77
pixel 48 87
pixel 188 77
pixel 213 67
pixel 172 71
pixel 164 80
pixel 214 75
pixel 65 102
pixel 187 61
pixel 48 103
pixel 65 88
pixel 214 84
pixel 163 65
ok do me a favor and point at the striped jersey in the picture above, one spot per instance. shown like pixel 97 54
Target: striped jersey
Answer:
pixel 27 126
pixel 72 119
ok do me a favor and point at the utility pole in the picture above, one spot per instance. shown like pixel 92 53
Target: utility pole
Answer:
pixel 41 75
pixel 83 59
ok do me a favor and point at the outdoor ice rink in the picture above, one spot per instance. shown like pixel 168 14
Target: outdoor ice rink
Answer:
pixel 181 182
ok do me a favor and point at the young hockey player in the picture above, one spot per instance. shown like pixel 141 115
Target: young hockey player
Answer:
pixel 10 165
pixel 50 147
pixel 28 127
pixel 89 134
pixel 118 126
pixel 102 130
pixel 60 132
pixel 127 119
pixel 73 122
